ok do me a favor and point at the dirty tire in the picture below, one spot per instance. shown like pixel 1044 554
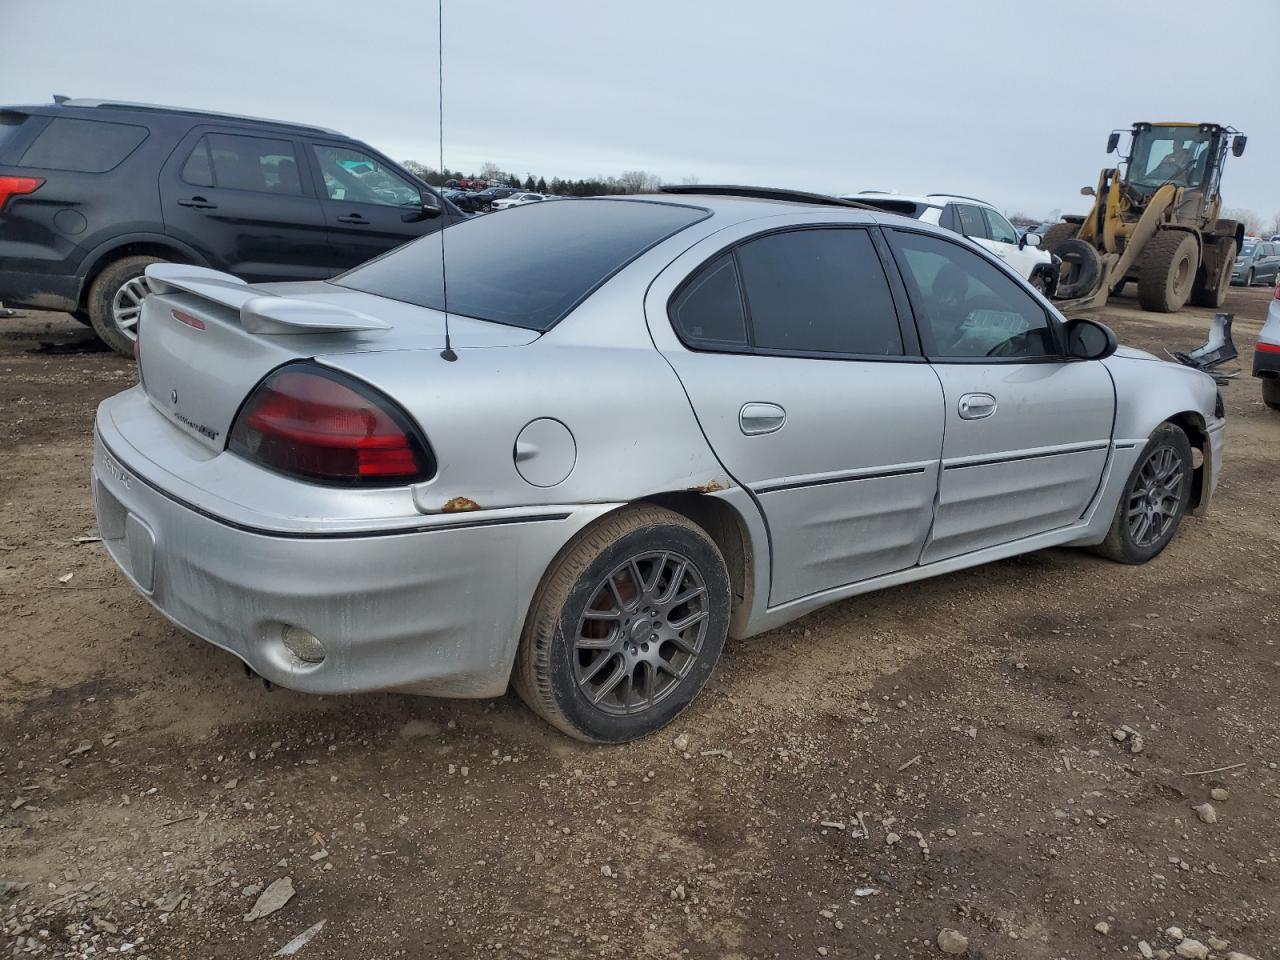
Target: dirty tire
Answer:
pixel 1081 269
pixel 1168 271
pixel 1271 393
pixel 1202 295
pixel 1121 545
pixel 548 664
pixel 1057 233
pixel 103 292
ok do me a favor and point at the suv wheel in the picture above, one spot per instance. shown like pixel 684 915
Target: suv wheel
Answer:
pixel 115 302
pixel 626 627
pixel 1154 499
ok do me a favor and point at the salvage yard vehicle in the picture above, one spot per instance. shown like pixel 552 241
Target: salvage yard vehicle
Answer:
pixel 1154 221
pixel 1266 355
pixel 1257 262
pixel 636 426
pixel 981 223
pixel 92 191
pixel 517 200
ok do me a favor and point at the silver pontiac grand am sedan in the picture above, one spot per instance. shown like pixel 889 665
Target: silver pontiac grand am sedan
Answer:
pixel 652 422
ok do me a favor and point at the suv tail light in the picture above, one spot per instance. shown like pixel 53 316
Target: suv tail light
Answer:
pixel 16 187
pixel 310 422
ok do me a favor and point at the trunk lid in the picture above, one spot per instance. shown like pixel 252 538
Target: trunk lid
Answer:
pixel 200 357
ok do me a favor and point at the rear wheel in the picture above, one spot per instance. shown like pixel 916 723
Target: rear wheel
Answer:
pixel 1154 500
pixel 626 627
pixel 1168 271
pixel 1203 295
pixel 1271 393
pixel 115 302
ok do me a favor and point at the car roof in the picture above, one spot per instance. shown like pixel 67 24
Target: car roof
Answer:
pixel 87 108
pixel 927 199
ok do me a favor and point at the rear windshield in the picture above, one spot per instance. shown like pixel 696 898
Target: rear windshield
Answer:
pixel 528 266
pixel 83 146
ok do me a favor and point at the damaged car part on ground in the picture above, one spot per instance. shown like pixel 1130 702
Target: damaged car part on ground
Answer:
pixel 1266 355
pixel 672 419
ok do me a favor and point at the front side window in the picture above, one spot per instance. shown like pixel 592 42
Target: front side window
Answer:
pixel 260 164
pixel 818 291
pixel 1001 229
pixel 83 146
pixel 966 307
pixel 355 177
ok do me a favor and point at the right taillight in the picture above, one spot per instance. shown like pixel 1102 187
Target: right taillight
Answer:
pixel 310 422
pixel 16 187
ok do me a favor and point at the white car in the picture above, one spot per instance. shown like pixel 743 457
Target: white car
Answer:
pixel 980 222
pixel 517 200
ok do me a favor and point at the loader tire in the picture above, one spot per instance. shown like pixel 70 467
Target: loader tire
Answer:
pixel 1081 269
pixel 1057 233
pixel 1204 296
pixel 1167 271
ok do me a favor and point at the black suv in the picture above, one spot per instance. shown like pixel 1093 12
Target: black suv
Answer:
pixel 92 191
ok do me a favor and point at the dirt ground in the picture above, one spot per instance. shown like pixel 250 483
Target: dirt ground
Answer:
pixel 149 790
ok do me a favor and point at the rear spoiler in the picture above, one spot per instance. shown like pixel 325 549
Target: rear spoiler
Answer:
pixel 262 313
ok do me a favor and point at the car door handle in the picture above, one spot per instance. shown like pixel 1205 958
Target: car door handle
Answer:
pixel 353 218
pixel 976 406
pixel 758 418
pixel 200 203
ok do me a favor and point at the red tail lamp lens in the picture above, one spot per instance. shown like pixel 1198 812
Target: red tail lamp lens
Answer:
pixel 17 186
pixel 310 422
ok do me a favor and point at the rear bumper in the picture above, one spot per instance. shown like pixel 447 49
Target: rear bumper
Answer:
pixel 436 609
pixel 1266 364
pixel 39 291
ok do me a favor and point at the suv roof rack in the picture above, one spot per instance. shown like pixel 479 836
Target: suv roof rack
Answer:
pixel 760 193
pixel 185 111
pixel 960 196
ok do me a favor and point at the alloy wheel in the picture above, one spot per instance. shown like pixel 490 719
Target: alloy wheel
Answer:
pixel 641 633
pixel 126 306
pixel 1156 497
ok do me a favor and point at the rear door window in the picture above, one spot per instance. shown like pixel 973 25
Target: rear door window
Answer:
pixel 708 311
pixel 261 164
pixel 83 146
pixel 818 291
pixel 971 222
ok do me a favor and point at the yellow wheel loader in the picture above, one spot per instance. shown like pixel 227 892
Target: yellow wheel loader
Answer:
pixel 1154 221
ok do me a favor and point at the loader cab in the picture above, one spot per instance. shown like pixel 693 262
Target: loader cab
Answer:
pixel 1190 156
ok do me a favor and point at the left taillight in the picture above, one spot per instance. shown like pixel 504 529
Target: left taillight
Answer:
pixel 316 424
pixel 16 187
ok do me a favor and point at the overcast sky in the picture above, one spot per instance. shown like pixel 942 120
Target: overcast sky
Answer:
pixel 1009 101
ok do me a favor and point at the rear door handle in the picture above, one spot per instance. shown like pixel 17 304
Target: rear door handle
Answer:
pixel 200 203
pixel 353 218
pixel 976 406
pixel 757 418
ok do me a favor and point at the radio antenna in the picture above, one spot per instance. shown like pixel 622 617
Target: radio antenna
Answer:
pixel 447 353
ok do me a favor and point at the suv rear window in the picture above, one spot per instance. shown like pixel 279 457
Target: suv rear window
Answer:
pixel 83 146
pixel 528 266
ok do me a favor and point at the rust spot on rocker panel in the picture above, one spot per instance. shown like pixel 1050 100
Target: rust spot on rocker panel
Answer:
pixel 460 505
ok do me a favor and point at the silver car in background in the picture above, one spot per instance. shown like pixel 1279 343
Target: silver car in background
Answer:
pixel 652 423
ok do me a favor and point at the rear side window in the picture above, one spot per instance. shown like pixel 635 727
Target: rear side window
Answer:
pixel 818 291
pixel 10 121
pixel 233 162
pixel 529 266
pixel 83 146
pixel 708 311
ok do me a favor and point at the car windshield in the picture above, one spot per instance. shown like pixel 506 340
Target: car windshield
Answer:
pixel 529 267
pixel 1177 155
pixel 1247 249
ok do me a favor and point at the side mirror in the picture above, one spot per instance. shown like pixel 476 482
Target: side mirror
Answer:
pixel 1029 240
pixel 1237 144
pixel 1089 340
pixel 427 211
pixel 1088 192
pixel 1113 141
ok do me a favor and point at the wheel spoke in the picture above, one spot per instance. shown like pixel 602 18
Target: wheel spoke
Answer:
pixel 612 681
pixel 688 595
pixel 595 667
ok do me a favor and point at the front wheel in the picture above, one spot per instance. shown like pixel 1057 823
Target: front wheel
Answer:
pixel 626 627
pixel 1154 500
